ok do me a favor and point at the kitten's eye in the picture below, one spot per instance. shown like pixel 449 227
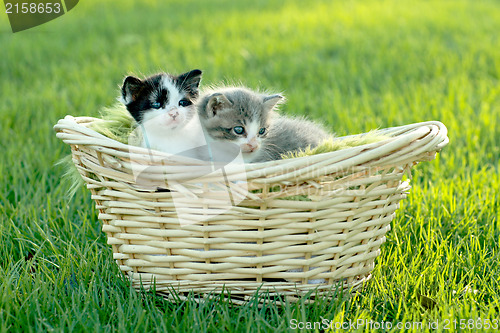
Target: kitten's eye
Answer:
pixel 262 131
pixel 238 130
pixel 156 105
pixel 184 102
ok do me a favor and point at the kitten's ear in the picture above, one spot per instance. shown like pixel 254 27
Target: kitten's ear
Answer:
pixel 271 101
pixel 190 81
pixel 131 88
pixel 217 102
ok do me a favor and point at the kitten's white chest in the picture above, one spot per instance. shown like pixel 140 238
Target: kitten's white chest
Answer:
pixel 183 141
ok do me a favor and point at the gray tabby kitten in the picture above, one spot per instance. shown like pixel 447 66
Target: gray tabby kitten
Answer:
pixel 247 119
pixel 290 135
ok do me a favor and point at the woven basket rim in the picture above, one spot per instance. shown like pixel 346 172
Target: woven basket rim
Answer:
pixel 79 124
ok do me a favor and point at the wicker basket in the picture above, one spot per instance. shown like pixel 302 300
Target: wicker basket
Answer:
pixel 304 223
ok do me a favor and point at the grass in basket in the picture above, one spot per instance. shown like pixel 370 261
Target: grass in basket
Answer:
pixel 334 144
pixel 116 123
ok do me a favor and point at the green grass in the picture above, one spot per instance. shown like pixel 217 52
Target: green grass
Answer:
pixel 354 65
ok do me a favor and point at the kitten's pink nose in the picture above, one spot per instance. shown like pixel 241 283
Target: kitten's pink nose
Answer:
pixel 174 114
pixel 250 146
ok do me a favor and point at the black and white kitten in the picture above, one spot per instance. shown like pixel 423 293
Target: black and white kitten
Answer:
pixel 248 119
pixel 162 105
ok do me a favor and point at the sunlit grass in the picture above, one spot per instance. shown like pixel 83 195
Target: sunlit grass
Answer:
pixel 354 65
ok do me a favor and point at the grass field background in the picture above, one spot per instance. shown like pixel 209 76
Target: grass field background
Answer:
pixel 353 65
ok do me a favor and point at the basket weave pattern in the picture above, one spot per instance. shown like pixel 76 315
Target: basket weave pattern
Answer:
pixel 306 222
